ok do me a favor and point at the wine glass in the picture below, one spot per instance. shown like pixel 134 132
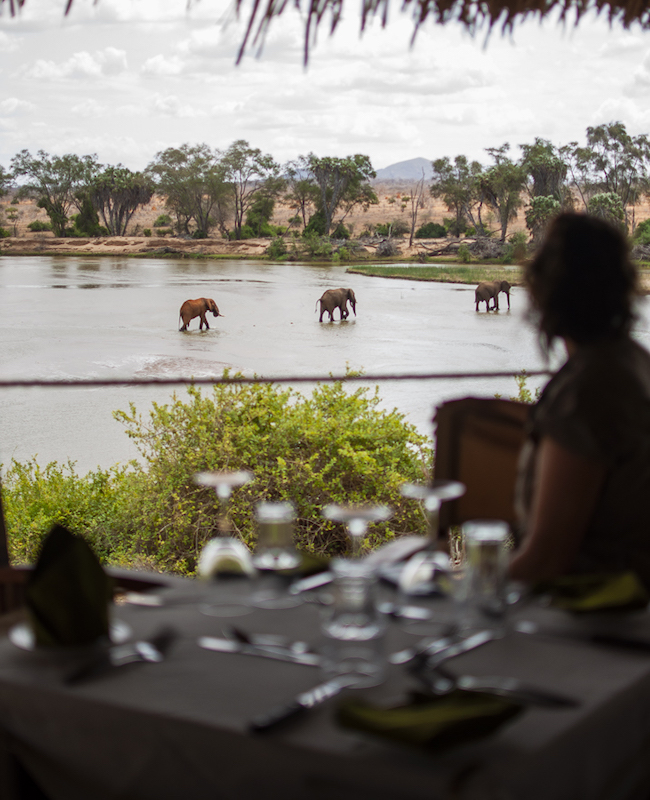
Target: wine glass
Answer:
pixel 356 520
pixel 274 553
pixel 433 495
pixel 225 555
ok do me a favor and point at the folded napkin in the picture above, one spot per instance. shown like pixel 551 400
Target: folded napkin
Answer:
pixel 620 591
pixel 432 721
pixel 67 593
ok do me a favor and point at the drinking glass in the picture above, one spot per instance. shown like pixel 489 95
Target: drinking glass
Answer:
pixel 225 555
pixel 433 495
pixel 482 596
pixel 274 552
pixel 356 520
pixel 352 627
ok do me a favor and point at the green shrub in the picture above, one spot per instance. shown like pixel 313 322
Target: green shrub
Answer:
pixel 277 249
pixel 316 224
pixel 146 232
pixel 317 246
pixel 464 256
pixel 642 232
pixel 38 226
pixel 340 232
pixel 4 233
pixel 163 221
pixel 431 230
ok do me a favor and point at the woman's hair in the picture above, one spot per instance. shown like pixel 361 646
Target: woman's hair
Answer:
pixel 582 283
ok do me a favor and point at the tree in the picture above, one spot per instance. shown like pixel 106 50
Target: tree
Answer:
pixel 612 162
pixel 302 193
pixel 547 171
pixel 57 182
pixel 502 185
pixel 608 206
pixel 539 214
pixel 416 199
pixel 250 174
pixel 460 188
pixel 5 181
pixel 341 182
pixel 193 180
pixel 116 193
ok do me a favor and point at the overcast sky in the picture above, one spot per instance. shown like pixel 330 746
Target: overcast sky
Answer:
pixel 128 78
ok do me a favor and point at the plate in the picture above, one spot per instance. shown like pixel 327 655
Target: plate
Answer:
pixel 22 636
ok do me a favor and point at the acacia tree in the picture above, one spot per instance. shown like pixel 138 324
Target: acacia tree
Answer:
pixel 57 182
pixel 116 193
pixel 342 183
pixel 250 174
pixel 546 170
pixel 302 193
pixel 459 186
pixel 193 180
pixel 416 201
pixel 502 185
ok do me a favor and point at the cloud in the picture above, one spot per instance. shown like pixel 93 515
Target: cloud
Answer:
pixel 171 106
pixel 81 65
pixel 162 65
pixel 89 108
pixel 640 83
pixel 12 106
pixel 8 44
pixel 621 44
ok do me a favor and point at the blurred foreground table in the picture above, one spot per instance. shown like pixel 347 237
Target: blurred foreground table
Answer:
pixel 179 729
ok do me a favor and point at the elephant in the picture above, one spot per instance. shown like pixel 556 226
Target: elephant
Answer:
pixel 490 291
pixel 337 298
pixel 198 308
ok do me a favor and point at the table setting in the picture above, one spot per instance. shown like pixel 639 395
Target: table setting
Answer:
pixel 389 674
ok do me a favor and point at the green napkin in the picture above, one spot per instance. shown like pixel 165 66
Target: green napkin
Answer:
pixel 432 721
pixel 310 564
pixel 68 593
pixel 620 591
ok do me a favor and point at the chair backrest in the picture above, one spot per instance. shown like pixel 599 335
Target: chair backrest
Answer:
pixel 478 442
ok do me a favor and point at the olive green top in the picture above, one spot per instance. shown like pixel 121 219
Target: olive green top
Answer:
pixel 598 406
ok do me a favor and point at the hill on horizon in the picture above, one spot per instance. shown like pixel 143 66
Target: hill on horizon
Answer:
pixel 410 170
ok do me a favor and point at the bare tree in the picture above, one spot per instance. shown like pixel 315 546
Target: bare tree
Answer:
pixel 416 200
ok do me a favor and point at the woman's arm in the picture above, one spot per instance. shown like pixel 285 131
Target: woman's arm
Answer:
pixel 564 498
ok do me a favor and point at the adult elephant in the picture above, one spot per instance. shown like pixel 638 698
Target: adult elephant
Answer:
pixel 198 308
pixel 337 298
pixel 490 291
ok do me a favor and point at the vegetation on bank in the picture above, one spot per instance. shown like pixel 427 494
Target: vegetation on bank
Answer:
pixel 442 274
pixel 335 446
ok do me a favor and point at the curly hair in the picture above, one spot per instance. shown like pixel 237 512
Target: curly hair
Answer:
pixel 582 282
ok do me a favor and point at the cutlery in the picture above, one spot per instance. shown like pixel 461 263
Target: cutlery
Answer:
pixel 400 549
pixel 404 612
pixel 269 641
pixel 590 637
pixel 274 653
pixel 441 649
pixel 302 702
pixel 151 651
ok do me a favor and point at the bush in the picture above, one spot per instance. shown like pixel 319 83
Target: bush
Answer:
pixel 163 221
pixel 340 232
pixel 146 232
pixel 277 249
pixel 330 447
pixel 38 226
pixel 316 224
pixel 4 233
pixel 454 227
pixel 317 246
pixel 642 232
pixel 431 230
pixel 464 256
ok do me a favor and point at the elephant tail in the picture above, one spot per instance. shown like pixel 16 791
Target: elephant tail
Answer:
pixel 316 306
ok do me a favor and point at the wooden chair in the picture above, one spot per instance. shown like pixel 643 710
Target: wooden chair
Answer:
pixel 478 442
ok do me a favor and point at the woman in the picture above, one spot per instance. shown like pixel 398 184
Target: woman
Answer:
pixel 584 484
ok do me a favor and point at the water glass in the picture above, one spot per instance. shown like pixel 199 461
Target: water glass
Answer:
pixel 353 629
pixel 482 594
pixel 222 558
pixel 275 552
pixel 426 574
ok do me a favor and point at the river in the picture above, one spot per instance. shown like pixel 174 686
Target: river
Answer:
pixel 76 317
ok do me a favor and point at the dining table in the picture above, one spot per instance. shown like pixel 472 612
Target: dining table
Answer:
pixel 181 728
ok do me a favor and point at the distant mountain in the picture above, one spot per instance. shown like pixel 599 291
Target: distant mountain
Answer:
pixel 410 170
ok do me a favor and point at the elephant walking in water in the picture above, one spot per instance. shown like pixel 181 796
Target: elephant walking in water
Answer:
pixel 198 308
pixel 490 291
pixel 337 298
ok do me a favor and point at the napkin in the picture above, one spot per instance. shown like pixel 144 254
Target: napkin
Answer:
pixel 67 593
pixel 310 564
pixel 432 721
pixel 621 591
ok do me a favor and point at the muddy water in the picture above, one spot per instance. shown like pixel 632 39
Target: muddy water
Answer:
pixel 116 317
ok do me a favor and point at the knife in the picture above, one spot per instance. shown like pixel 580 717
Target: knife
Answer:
pixel 441 649
pixel 516 690
pixel 306 700
pixel 276 653
pixel 589 637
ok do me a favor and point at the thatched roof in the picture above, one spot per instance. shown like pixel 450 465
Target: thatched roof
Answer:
pixel 473 14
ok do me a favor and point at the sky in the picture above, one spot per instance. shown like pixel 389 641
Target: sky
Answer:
pixel 126 79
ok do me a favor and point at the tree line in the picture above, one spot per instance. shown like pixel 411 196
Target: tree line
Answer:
pixel 234 191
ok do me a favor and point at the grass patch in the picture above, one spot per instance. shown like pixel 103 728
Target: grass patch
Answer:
pixel 445 274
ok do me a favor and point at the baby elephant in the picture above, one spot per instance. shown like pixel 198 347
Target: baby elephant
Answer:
pixel 198 308
pixel 490 291
pixel 337 298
